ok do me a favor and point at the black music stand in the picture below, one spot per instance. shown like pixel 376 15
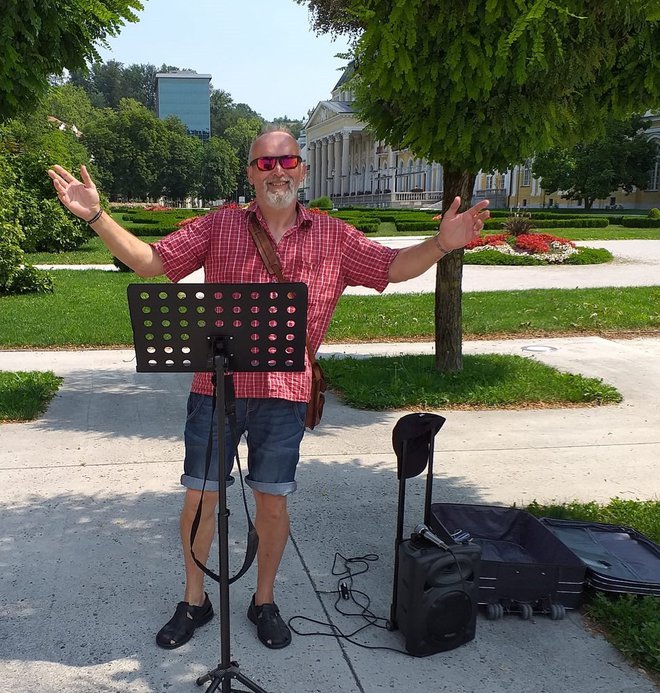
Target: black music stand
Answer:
pixel 221 328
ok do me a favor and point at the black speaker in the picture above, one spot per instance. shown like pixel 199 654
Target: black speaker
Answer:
pixel 436 608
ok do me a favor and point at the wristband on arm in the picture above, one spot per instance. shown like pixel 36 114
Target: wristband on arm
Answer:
pixel 441 248
pixel 96 217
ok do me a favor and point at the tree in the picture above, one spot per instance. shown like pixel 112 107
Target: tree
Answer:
pixel 483 85
pixel 225 113
pixel 179 173
pixel 295 126
pixel 38 40
pixel 129 146
pixel 240 137
pixel 621 159
pixel 108 83
pixel 220 170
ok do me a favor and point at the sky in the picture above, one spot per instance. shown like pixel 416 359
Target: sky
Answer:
pixel 262 52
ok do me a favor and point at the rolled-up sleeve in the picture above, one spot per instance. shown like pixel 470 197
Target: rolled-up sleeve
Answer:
pixel 185 250
pixel 364 261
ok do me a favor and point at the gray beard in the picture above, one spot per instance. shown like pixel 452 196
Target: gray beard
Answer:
pixel 283 199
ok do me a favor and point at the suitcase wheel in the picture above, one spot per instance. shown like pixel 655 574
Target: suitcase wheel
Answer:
pixel 494 611
pixel 557 612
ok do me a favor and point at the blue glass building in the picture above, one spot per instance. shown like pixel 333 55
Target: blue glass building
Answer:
pixel 187 96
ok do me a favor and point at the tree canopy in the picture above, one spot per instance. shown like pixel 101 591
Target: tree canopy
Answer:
pixel 621 159
pixel 41 39
pixel 484 84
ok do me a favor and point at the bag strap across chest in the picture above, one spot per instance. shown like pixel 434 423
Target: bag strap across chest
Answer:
pixel 272 263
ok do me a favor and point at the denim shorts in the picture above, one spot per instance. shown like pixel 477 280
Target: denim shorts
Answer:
pixel 274 429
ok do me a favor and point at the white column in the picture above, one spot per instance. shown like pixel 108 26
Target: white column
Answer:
pixel 336 183
pixel 391 165
pixel 331 165
pixel 324 166
pixel 317 169
pixel 345 163
pixel 311 151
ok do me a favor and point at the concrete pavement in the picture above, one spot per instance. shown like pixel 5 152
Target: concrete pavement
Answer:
pixel 89 548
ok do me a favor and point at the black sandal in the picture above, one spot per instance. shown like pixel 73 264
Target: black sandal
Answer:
pixel 180 628
pixel 271 629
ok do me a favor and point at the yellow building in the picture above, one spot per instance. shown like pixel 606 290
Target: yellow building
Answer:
pixel 348 164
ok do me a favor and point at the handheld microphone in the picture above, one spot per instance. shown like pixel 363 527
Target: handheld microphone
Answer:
pixel 427 534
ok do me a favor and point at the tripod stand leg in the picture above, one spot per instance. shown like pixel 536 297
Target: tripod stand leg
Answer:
pixel 250 684
pixel 222 677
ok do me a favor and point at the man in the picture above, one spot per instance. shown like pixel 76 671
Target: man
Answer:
pixel 325 253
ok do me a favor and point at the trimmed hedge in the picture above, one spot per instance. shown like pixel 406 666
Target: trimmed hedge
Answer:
pixel 367 227
pixel 576 223
pixel 640 223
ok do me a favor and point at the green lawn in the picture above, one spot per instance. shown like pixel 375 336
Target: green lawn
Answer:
pixel 92 253
pixel 25 395
pixel 89 309
pixel 486 381
pixel 535 312
pixel 630 622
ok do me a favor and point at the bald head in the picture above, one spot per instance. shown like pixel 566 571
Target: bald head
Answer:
pixel 267 143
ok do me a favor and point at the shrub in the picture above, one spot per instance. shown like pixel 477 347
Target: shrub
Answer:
pixel 518 224
pixel 321 203
pixel 366 226
pixel 654 213
pixel 15 276
pixel 570 223
pixel 494 257
pixel 29 280
pixel 416 225
pixel 641 223
pixel 48 227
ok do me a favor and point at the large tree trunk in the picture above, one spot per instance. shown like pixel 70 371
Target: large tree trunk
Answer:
pixel 448 291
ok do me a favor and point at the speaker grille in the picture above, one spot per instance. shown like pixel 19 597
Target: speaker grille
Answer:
pixel 449 615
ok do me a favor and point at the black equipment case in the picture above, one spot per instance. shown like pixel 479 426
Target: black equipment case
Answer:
pixel 617 558
pixel 524 566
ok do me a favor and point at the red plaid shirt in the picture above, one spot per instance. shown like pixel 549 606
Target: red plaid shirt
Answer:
pixel 325 253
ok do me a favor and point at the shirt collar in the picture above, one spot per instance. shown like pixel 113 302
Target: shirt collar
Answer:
pixel 304 217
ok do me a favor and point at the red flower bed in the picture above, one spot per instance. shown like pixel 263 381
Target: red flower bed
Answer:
pixel 524 243
pixel 491 239
pixel 538 242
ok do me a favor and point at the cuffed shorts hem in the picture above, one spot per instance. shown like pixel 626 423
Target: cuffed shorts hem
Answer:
pixel 196 484
pixel 272 488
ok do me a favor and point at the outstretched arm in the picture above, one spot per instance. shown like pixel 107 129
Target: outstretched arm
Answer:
pixel 456 230
pixel 82 199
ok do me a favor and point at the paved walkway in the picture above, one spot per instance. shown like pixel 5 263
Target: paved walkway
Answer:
pixel 89 497
pixel 636 263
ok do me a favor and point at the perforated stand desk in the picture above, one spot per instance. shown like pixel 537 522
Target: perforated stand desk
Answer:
pixel 221 328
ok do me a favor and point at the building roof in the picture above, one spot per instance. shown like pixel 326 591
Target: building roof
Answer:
pixel 346 75
pixel 182 75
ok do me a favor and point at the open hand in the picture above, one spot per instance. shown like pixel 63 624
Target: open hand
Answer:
pixel 457 230
pixel 80 198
